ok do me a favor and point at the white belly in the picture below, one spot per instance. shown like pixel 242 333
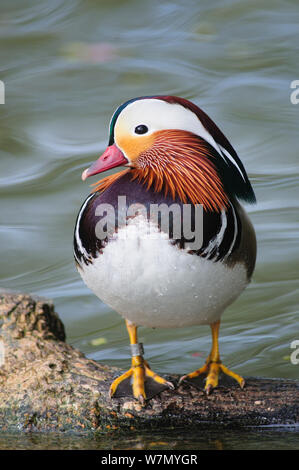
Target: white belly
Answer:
pixel 152 283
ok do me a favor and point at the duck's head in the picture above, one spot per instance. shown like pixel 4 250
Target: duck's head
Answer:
pixel 170 144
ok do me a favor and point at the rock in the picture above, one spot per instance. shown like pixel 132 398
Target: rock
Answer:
pixel 47 385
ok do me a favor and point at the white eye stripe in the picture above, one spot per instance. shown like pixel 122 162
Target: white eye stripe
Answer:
pixel 159 115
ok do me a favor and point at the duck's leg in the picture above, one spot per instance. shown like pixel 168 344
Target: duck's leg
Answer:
pixel 140 380
pixel 213 365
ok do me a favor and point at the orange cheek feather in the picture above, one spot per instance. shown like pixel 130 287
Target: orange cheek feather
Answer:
pixel 133 146
pixel 181 163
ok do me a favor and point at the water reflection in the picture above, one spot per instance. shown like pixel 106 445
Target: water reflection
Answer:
pixel 207 439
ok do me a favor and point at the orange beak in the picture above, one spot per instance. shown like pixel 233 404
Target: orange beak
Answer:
pixel 111 158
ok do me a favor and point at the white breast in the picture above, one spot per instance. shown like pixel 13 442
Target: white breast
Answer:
pixel 153 283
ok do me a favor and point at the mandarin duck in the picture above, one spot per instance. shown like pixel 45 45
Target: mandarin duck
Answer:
pixel 152 275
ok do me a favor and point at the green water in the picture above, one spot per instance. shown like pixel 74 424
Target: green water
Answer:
pixel 265 439
pixel 66 66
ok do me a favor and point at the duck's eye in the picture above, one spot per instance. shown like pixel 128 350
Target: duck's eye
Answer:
pixel 141 129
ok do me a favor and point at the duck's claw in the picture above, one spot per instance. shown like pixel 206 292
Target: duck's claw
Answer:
pixel 195 374
pixel 140 382
pixel 212 370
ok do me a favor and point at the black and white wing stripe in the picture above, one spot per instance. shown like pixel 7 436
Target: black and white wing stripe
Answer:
pixel 84 250
pixel 221 234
